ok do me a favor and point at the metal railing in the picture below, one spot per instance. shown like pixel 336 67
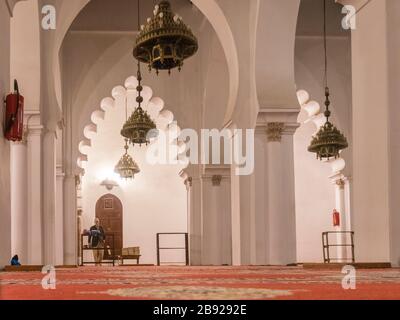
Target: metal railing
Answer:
pixel 186 248
pixel 326 246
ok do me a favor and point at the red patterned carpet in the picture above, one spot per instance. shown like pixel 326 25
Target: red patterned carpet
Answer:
pixel 199 283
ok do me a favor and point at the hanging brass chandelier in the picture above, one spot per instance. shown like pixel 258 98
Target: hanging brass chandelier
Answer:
pixel 329 141
pixel 139 128
pixel 165 41
pixel 126 167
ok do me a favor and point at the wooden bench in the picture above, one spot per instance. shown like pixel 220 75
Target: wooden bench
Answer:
pixel 132 253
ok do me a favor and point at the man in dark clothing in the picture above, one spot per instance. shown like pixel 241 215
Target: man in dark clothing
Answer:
pixel 96 241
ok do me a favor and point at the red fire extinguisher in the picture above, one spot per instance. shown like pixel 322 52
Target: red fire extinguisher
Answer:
pixel 336 218
pixel 14 118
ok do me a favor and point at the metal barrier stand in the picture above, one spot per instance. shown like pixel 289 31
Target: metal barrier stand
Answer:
pixel 186 248
pixel 326 246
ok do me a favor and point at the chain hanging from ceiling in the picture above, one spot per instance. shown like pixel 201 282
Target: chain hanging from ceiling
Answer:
pixel 139 128
pixel 329 141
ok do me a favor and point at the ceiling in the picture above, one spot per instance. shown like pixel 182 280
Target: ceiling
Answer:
pixel 311 19
pixel 119 15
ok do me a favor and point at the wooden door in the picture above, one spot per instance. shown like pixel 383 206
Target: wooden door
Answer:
pixel 110 212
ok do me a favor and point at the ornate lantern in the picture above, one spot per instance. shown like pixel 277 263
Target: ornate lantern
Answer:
pixel 165 41
pixel 329 141
pixel 127 167
pixel 139 128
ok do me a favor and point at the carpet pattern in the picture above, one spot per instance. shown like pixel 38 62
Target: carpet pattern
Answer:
pixel 199 283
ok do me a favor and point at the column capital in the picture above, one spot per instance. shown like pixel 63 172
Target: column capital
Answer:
pixel 274 131
pixel 216 173
pixel 187 180
pixel 276 122
pixel 188 183
pixel 341 183
pixel 216 180
pixel 339 180
pixel 32 122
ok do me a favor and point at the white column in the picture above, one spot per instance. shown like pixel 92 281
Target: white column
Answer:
pixel 70 221
pixel 59 217
pixel 258 215
pixel 237 193
pixel 216 213
pixel 374 199
pixel 280 189
pixel 34 185
pixel 342 205
pixel 193 185
pixel 281 201
pixel 49 197
pixel 18 200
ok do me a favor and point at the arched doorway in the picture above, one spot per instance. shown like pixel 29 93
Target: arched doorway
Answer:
pixel 110 212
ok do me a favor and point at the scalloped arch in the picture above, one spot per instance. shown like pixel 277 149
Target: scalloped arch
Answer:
pixel 164 118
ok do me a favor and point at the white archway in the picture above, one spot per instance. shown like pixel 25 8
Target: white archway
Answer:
pixel 100 150
pixel 69 10
pixel 153 105
pixel 274 57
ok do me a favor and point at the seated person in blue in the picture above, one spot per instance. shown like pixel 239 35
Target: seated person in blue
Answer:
pixel 15 261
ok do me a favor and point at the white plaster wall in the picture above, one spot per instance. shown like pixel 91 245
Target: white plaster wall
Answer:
pixel 371 69
pixel 394 97
pixel 216 220
pixel 18 173
pixel 315 197
pixel 155 201
pixel 25 38
pixel 5 202
pixel 315 194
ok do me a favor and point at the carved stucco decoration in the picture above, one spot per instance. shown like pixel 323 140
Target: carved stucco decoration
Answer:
pixel 274 131
pixel 216 180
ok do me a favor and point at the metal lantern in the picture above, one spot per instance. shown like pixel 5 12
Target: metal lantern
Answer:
pixel 328 141
pixel 165 41
pixel 127 168
pixel 139 128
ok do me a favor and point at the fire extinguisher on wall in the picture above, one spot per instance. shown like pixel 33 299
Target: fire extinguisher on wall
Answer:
pixel 14 117
pixel 336 218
